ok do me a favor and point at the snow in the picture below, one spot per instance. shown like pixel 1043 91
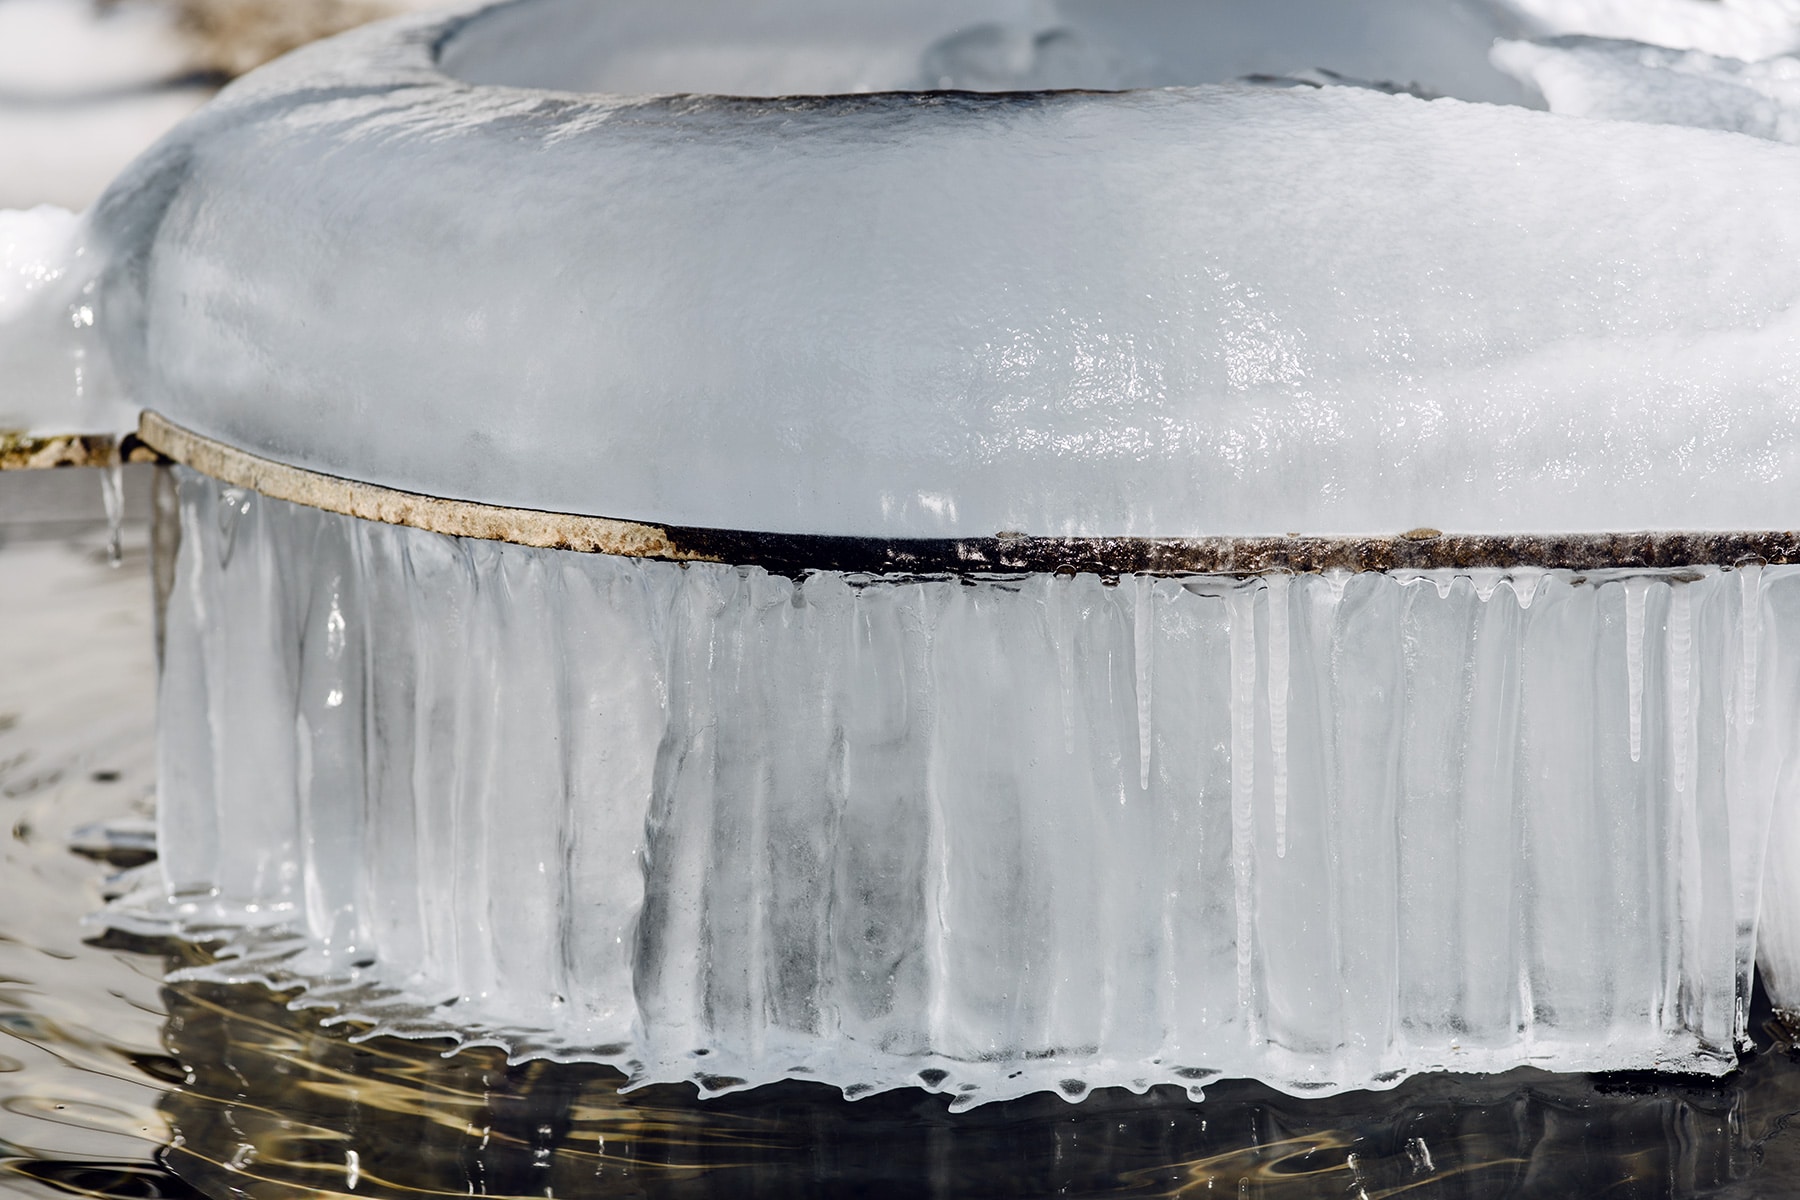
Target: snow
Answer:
pixel 83 89
pixel 813 46
pixel 35 247
pixel 86 85
pixel 53 49
pixel 1744 29
pixel 1586 77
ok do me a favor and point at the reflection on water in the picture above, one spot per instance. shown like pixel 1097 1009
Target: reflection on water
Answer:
pixel 114 1085
pixel 276 1103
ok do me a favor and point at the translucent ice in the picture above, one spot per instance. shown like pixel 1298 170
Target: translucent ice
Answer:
pixel 1018 835
pixel 1745 29
pixel 1197 310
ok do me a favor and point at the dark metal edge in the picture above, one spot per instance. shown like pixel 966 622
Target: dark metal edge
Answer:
pixel 788 554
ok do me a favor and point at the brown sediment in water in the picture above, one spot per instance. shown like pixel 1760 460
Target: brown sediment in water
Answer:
pixel 1420 549
pixel 28 452
pixel 21 452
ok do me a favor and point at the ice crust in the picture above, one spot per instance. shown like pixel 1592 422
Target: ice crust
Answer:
pixel 55 375
pixel 1184 311
pixel 1044 833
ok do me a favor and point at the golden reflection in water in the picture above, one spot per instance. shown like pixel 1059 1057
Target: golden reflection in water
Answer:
pixel 274 1105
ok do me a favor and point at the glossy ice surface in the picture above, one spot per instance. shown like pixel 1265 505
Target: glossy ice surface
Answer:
pixel 1219 309
pixel 715 825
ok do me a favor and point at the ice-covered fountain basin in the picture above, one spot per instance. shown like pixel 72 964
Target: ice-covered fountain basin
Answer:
pixel 1067 824
pixel 1188 311
pixel 987 836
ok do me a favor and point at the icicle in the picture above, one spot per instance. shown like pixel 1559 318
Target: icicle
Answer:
pixel 1486 581
pixel 112 495
pixel 1681 666
pixel 1243 772
pixel 1525 583
pixel 1635 592
pixel 1441 581
pixel 234 506
pixel 1142 629
pixel 1062 599
pixel 1750 577
pixel 1278 704
pixel 1337 579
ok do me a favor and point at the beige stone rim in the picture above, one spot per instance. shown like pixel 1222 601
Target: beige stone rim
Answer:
pixel 1002 554
pixel 458 518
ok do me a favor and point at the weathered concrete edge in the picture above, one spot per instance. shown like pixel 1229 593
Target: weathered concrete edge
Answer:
pixel 1004 554
pixel 371 502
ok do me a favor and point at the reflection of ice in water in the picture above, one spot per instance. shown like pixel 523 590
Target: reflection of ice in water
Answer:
pixel 1016 835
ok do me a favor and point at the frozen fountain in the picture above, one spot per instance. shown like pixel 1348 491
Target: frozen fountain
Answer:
pixel 900 545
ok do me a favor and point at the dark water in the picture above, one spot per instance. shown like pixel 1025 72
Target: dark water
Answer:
pixel 112 1084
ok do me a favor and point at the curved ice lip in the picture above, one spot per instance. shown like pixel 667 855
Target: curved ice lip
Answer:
pixel 1184 312
pixel 1005 554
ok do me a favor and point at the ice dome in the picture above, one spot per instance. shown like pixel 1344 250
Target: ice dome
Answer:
pixel 475 257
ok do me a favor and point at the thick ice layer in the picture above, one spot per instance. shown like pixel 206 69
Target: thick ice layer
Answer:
pixel 991 837
pixel 1207 310
pixel 1745 29
pixel 54 374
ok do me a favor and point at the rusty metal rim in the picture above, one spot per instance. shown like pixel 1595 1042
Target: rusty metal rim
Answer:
pixel 794 554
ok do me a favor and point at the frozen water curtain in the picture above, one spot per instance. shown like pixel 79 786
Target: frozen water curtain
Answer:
pixel 1030 548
